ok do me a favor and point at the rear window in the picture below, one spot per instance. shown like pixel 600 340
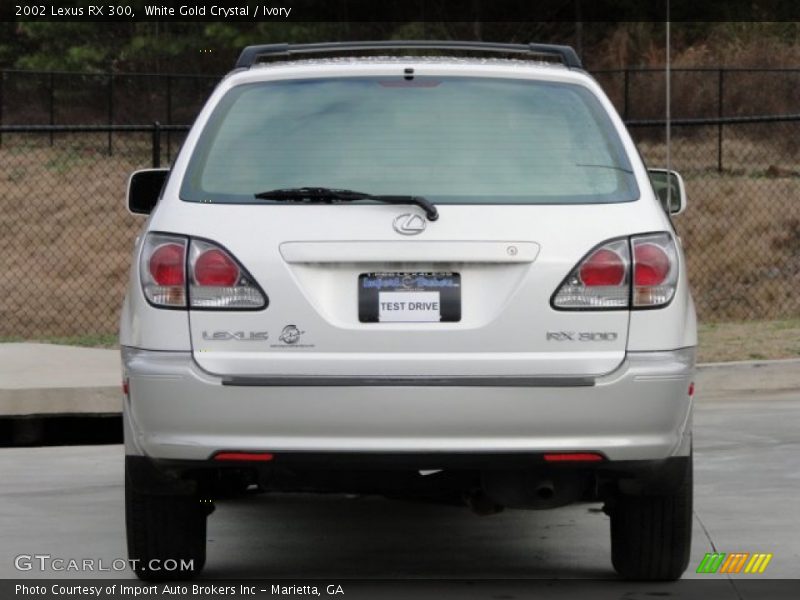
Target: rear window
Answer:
pixel 451 140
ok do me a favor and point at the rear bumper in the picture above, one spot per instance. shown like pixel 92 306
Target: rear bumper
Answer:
pixel 176 411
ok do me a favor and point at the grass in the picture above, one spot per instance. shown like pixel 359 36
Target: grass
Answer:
pixel 66 235
pixel 749 340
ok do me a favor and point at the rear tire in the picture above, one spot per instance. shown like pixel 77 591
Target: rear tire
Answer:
pixel 162 528
pixel 651 534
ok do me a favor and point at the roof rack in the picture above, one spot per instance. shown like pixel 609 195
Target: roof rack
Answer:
pixel 251 54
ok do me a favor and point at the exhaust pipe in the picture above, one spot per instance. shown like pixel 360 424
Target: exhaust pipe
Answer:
pixel 525 488
pixel 545 490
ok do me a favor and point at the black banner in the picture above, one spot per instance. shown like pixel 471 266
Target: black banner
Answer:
pixel 694 589
pixel 397 10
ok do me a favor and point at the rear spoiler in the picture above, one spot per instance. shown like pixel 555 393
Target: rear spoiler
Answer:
pixel 251 54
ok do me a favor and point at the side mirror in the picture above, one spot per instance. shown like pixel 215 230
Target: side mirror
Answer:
pixel 669 188
pixel 144 190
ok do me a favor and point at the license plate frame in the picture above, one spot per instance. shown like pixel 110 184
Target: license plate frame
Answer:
pixel 416 286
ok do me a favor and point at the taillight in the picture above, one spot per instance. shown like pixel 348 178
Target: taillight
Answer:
pixel 218 281
pixel 163 270
pixel 607 278
pixel 655 269
pixel 651 264
pixel 603 267
pixel 214 267
pixel 168 264
pixel 214 280
pixel 599 281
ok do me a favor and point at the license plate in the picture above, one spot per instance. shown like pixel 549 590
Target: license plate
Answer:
pixel 409 297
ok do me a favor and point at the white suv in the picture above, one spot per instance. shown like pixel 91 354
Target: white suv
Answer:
pixel 431 276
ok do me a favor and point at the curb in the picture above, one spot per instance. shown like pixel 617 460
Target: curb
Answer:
pixel 751 363
pixel 53 402
pixel 737 378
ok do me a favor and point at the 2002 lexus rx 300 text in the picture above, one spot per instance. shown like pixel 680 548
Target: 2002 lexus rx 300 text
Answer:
pixel 441 276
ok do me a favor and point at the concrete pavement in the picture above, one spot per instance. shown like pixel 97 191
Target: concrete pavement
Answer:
pixel 68 502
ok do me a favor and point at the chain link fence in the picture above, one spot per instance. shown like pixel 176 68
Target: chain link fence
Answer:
pixel 65 233
pixel 741 231
pixel 65 97
pixel 66 237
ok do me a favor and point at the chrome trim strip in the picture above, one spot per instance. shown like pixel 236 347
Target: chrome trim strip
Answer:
pixel 261 381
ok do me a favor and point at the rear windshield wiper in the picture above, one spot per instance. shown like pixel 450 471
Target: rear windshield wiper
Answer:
pixel 321 194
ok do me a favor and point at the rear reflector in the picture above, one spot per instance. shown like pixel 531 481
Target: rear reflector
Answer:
pixel 573 457
pixel 244 456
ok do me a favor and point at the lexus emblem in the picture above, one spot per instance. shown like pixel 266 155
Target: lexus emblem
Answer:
pixel 409 224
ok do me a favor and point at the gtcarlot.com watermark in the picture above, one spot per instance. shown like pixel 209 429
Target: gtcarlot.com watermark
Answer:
pixel 47 562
